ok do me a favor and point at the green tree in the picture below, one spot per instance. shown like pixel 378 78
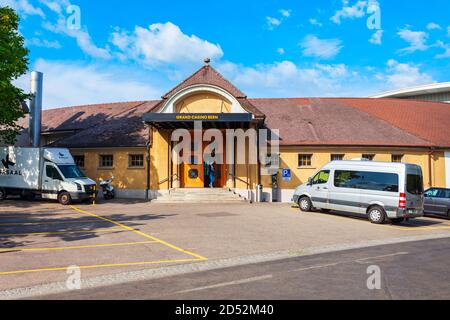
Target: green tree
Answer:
pixel 13 64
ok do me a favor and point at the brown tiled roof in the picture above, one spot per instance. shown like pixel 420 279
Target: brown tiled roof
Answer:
pixel 207 75
pixel 427 120
pixel 357 121
pixel 100 125
pixel 301 121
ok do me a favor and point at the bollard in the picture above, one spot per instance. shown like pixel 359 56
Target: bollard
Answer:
pixel 94 194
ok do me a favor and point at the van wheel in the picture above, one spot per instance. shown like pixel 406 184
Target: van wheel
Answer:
pixel 305 204
pixel 64 198
pixel 376 215
pixel 2 194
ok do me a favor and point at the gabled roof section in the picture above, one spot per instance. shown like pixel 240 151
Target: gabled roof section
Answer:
pixel 207 75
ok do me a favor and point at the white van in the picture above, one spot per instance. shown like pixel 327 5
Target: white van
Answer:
pixel 380 190
pixel 49 172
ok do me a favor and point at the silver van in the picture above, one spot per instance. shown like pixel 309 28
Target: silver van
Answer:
pixel 380 190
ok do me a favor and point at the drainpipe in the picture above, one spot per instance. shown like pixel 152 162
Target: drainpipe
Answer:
pixel 149 144
pixel 430 172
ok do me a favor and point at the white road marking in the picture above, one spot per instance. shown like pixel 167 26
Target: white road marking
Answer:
pixel 382 256
pixel 361 260
pixel 225 284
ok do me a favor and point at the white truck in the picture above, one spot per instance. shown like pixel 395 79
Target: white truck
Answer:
pixel 49 172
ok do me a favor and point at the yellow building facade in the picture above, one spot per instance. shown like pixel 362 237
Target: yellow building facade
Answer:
pixel 312 132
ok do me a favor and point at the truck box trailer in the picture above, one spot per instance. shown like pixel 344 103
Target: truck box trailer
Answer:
pixel 49 172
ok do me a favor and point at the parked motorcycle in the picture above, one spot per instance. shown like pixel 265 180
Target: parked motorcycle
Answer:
pixel 107 189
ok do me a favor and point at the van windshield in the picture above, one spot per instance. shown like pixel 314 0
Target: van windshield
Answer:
pixel 71 171
pixel 414 183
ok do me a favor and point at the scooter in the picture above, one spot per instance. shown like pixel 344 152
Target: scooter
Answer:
pixel 107 189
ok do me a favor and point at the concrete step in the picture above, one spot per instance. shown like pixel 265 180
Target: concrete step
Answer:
pixel 197 195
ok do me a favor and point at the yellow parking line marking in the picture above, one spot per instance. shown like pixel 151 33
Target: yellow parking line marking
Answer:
pixel 79 247
pixel 126 264
pixel 197 256
pixel 44 222
pixel 60 232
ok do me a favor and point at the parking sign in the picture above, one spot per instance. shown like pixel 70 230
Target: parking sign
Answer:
pixel 286 174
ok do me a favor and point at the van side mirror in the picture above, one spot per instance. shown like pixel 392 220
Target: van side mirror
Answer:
pixel 309 182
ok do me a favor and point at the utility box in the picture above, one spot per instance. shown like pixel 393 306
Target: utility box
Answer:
pixel 275 188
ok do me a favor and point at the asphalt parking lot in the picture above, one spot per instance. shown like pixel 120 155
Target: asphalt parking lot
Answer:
pixel 40 240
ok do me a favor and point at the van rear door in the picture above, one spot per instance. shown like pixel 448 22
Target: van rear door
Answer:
pixel 414 188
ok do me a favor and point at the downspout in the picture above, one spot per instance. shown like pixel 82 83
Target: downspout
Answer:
pixel 257 154
pixel 149 144
pixel 430 171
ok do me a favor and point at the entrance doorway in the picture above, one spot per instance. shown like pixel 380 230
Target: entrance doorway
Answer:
pixel 200 175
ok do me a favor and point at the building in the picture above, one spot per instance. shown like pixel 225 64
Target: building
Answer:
pixel 438 92
pixel 132 140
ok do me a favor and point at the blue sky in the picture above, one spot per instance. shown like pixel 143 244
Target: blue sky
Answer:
pixel 137 50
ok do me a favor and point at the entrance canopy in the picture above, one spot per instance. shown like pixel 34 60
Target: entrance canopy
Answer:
pixel 209 120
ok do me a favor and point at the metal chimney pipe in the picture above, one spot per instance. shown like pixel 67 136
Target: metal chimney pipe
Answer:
pixel 36 108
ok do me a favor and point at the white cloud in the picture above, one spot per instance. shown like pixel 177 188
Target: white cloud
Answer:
pixel 446 53
pixel 163 43
pixel 55 5
pixel 433 26
pixel 403 75
pixel 350 12
pixel 416 39
pixel 285 12
pixel 315 22
pixel 24 7
pixel 286 79
pixel 71 83
pixel 272 22
pixel 280 50
pixel 38 42
pixel 320 48
pixel 82 36
pixel 376 37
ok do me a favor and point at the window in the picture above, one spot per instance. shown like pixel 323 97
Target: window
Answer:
pixel 79 161
pixel 52 172
pixel 346 179
pixel 335 157
pixel 431 193
pixel 136 160
pixel 368 156
pixel 106 161
pixel 378 181
pixel 397 157
pixel 414 183
pixel 304 160
pixel 321 177
pixel 444 193
pixel 71 171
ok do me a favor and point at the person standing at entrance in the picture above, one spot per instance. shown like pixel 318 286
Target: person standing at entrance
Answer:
pixel 211 175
